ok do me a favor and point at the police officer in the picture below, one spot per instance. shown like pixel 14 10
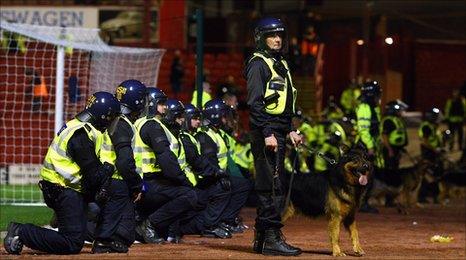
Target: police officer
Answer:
pixel 116 224
pixel 271 100
pixel 455 115
pixel 431 150
pixel 215 149
pixel 394 133
pixel 368 127
pixel 213 186
pixel 72 172
pixel 159 157
pixel 349 98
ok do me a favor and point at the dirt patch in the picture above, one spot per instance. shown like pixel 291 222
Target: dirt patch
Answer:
pixel 386 235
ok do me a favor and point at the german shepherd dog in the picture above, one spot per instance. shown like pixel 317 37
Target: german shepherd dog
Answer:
pixel 402 185
pixel 336 193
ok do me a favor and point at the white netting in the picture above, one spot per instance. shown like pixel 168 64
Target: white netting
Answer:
pixel 28 68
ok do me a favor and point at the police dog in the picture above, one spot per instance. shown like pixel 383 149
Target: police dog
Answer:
pixel 336 193
pixel 402 184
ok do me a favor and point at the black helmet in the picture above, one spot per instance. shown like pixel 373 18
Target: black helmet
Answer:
pixel 175 109
pixel 190 112
pixel 155 96
pixel 213 112
pixel 371 89
pixel 267 26
pixel 335 137
pixel 394 107
pixel 433 115
pixel 101 110
pixel 132 95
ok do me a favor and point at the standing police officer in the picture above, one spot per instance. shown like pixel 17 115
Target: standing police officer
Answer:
pixel 368 127
pixel 271 100
pixel 72 174
pixel 159 157
pixel 394 134
pixel 116 223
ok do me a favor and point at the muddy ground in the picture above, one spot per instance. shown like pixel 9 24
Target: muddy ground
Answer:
pixel 386 235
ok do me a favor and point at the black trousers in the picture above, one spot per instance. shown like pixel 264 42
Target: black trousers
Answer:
pixel 69 208
pixel 266 162
pixel 392 163
pixel 456 128
pixel 240 189
pixel 212 202
pixel 116 220
pixel 164 203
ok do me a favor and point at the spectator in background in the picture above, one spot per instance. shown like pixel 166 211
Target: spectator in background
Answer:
pixel 176 73
pixel 206 91
pixel 455 113
pixel 229 86
pixel 13 43
pixel 74 94
pixel 295 56
pixel 309 49
pixel 38 88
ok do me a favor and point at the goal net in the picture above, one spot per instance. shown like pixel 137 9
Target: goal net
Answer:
pixel 46 74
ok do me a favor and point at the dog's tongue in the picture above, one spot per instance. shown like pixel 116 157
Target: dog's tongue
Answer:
pixel 363 180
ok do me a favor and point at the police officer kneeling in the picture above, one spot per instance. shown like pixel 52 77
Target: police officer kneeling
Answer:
pixel 160 157
pixel 72 175
pixel 116 223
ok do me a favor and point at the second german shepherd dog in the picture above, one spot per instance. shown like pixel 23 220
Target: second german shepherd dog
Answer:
pixel 336 193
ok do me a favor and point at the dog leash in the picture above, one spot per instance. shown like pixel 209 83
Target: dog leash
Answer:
pixel 293 172
pixel 320 154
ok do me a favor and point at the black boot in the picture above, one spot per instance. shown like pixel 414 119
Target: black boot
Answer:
pixel 147 231
pixel 216 232
pixel 12 242
pixel 102 247
pixel 274 244
pixel 258 241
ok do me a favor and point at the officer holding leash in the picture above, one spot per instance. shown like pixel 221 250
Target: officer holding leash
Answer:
pixel 271 100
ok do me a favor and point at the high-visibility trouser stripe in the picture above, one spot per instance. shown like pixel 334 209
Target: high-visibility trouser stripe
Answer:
pixel 221 155
pixel 65 174
pixel 181 161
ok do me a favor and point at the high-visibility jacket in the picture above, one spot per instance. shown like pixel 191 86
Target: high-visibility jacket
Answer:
pixel 349 99
pixel 368 125
pixel 205 98
pixel 9 39
pixel 107 152
pixel 434 139
pixel 399 136
pixel 335 126
pixel 59 167
pixel 308 131
pixel 145 159
pixel 222 152
pixel 277 85
pixel 457 114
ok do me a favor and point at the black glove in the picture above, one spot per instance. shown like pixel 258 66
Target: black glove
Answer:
pixel 225 183
pixel 221 174
pixel 103 194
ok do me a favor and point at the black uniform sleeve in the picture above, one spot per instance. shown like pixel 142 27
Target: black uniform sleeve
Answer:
pixel 154 136
pixel 82 150
pixel 199 163
pixel 388 126
pixel 121 140
pixel 257 75
pixel 208 148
